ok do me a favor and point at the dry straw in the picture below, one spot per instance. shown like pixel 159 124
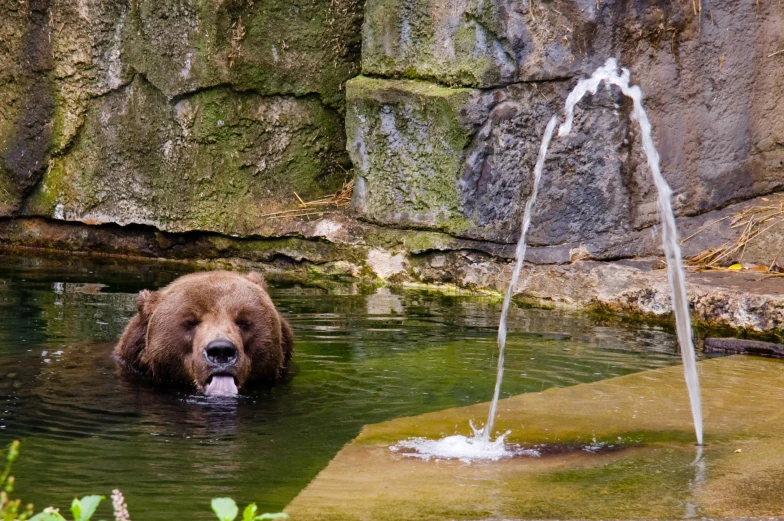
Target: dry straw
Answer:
pixel 317 207
pixel 754 222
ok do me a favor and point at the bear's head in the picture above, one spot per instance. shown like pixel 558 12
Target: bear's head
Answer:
pixel 217 330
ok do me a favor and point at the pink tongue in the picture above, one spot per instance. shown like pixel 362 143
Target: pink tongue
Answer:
pixel 221 386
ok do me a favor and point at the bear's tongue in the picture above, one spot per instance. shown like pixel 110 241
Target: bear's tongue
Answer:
pixel 221 386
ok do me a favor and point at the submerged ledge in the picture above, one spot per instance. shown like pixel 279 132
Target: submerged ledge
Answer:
pixel 656 471
pixel 750 303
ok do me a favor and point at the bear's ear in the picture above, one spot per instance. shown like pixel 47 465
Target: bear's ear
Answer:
pixel 145 303
pixel 134 338
pixel 256 278
pixel 286 340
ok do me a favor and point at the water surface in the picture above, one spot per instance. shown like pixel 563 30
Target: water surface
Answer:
pixel 364 354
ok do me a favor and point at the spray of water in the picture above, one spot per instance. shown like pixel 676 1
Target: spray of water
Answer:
pixel 479 445
pixel 520 256
pixel 672 250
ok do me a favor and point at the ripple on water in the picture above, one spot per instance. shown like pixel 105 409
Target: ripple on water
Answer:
pixel 362 356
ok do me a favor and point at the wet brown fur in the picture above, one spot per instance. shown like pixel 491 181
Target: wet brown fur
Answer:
pixel 167 337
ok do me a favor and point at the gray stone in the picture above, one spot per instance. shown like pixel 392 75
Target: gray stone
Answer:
pixel 273 47
pixel 711 81
pixel 406 140
pixel 748 300
pixel 61 61
pixel 478 43
pixel 461 161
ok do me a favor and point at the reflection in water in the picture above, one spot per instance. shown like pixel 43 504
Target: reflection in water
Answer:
pixel 364 355
pixel 700 475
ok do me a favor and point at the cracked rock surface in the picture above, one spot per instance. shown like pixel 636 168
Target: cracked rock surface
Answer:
pixel 123 111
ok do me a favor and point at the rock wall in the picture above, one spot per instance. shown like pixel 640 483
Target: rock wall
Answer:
pixel 182 114
pixel 188 129
pixel 709 71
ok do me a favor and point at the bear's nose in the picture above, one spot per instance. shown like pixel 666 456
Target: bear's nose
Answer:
pixel 220 353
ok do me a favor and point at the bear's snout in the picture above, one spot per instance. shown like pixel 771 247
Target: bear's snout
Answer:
pixel 221 354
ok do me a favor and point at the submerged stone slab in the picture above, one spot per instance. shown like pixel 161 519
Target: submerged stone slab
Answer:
pixel 620 448
pixel 461 160
pixel 214 161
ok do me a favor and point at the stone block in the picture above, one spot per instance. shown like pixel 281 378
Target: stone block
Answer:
pixel 461 160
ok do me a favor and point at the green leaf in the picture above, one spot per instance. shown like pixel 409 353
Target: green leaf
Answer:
pixel 279 515
pixel 250 512
pixel 225 508
pixel 84 509
pixel 49 514
pixel 76 509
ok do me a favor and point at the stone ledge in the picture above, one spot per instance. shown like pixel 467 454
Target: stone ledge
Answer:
pixel 750 302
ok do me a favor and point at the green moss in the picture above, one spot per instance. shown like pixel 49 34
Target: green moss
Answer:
pixel 218 160
pixel 400 41
pixel 273 47
pixel 412 135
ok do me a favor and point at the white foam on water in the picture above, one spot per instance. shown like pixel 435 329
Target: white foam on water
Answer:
pixel 463 448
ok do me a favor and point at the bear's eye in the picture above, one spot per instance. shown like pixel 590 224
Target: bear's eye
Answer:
pixel 190 324
pixel 242 324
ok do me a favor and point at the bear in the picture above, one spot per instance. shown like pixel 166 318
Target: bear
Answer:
pixel 217 331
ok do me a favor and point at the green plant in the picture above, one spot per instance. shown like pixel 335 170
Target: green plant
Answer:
pixel 10 508
pixel 84 509
pixel 226 510
pixel 81 510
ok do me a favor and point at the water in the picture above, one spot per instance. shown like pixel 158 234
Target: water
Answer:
pixel 480 442
pixel 364 355
pixel 463 448
pixel 672 250
pixel 520 258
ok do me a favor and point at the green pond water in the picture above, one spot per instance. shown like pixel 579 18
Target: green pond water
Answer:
pixel 364 355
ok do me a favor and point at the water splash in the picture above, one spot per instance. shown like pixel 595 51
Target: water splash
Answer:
pixel 463 448
pixel 672 251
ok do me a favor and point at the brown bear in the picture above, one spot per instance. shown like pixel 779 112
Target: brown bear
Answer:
pixel 217 330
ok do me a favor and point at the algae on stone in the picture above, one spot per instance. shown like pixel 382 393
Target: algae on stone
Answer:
pixel 473 43
pixel 26 99
pixel 63 65
pixel 627 451
pixel 214 161
pixel 461 161
pixel 406 140
pixel 273 47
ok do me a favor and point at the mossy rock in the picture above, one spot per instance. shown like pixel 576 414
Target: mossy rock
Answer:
pixel 215 161
pixel 406 140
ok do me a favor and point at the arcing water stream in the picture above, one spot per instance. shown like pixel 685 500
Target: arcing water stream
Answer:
pixel 672 250
pixel 520 256
pixel 479 446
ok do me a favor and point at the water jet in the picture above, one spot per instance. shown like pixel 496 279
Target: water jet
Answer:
pixel 481 442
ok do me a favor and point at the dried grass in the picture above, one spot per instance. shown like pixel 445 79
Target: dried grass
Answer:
pixel 755 222
pixel 317 207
